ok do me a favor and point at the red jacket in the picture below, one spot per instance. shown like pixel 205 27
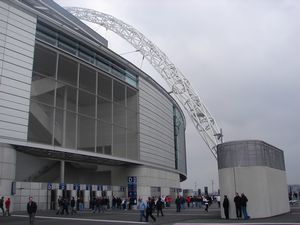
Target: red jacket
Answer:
pixel 7 203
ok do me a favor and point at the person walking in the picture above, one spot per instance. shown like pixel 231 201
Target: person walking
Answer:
pixel 73 206
pixel 205 200
pixel 1 205
pixel 226 207
pixel 31 210
pixel 178 205
pixel 60 205
pixel 149 209
pixel 237 202
pixel 159 207
pixel 141 206
pixel 7 206
pixel 244 201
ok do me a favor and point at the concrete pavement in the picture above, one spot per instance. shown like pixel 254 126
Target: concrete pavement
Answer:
pixel 117 217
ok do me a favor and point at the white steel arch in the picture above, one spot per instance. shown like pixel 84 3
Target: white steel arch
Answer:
pixel 181 88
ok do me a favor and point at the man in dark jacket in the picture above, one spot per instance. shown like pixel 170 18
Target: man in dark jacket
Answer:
pixel 226 207
pixel 149 209
pixel 1 205
pixel 237 201
pixel 244 201
pixel 31 210
pixel 159 206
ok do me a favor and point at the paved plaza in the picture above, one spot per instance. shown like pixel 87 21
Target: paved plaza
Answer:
pixel 117 217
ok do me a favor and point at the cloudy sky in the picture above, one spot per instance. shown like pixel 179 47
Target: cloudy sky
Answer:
pixel 242 57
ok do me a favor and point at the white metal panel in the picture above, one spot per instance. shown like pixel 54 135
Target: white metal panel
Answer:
pixel 13 134
pixel 156 126
pixel 13 126
pixel 22 14
pixel 19 30
pixel 15 99
pixel 2 24
pixel 20 70
pixel 19 36
pixel 2 37
pixel 17 46
pixel 15 106
pixel 19 55
pixel 4 109
pixel 16 18
pixel 17 62
pixel 14 91
pixel 15 83
pixel 13 119
pixel 16 76
pixel 16 52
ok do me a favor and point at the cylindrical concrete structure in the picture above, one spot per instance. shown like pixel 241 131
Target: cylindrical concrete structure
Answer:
pixel 256 169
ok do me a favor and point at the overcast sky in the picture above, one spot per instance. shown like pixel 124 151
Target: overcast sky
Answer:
pixel 242 57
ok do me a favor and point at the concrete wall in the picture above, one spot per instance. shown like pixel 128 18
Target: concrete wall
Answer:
pixel 264 186
pixel 17 38
pixel 147 178
pixel 7 170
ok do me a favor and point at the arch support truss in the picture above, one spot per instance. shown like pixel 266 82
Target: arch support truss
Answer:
pixel 180 86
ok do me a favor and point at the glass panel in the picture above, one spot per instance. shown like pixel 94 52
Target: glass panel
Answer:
pixel 131 99
pixel 40 126
pixel 86 103
pixel 45 37
pixel 131 82
pixel 104 86
pixel 104 137
pixel 103 64
pixel 42 89
pixel 132 152
pixel 66 97
pixel 119 148
pixel 87 78
pixel 86 134
pixel 59 129
pixel 131 120
pixel 70 132
pixel 119 92
pixel 131 79
pixel 67 44
pixel 44 61
pixel 104 109
pixel 119 115
pixel 46 30
pixel 67 70
pixel 118 73
pixel 86 54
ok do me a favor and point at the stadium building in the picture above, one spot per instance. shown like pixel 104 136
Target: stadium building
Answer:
pixel 77 119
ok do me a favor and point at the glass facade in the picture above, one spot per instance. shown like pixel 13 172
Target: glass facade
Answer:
pixel 66 43
pixel 179 140
pixel 76 105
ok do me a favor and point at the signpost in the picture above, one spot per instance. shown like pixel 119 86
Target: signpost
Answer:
pixel 132 190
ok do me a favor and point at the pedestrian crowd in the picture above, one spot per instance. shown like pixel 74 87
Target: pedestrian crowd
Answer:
pixel 5 203
pixel 146 208
pixel 240 202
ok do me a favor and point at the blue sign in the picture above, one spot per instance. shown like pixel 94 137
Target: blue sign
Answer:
pixel 132 180
pixel 49 186
pixel 76 187
pixel 62 186
pixel 132 189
